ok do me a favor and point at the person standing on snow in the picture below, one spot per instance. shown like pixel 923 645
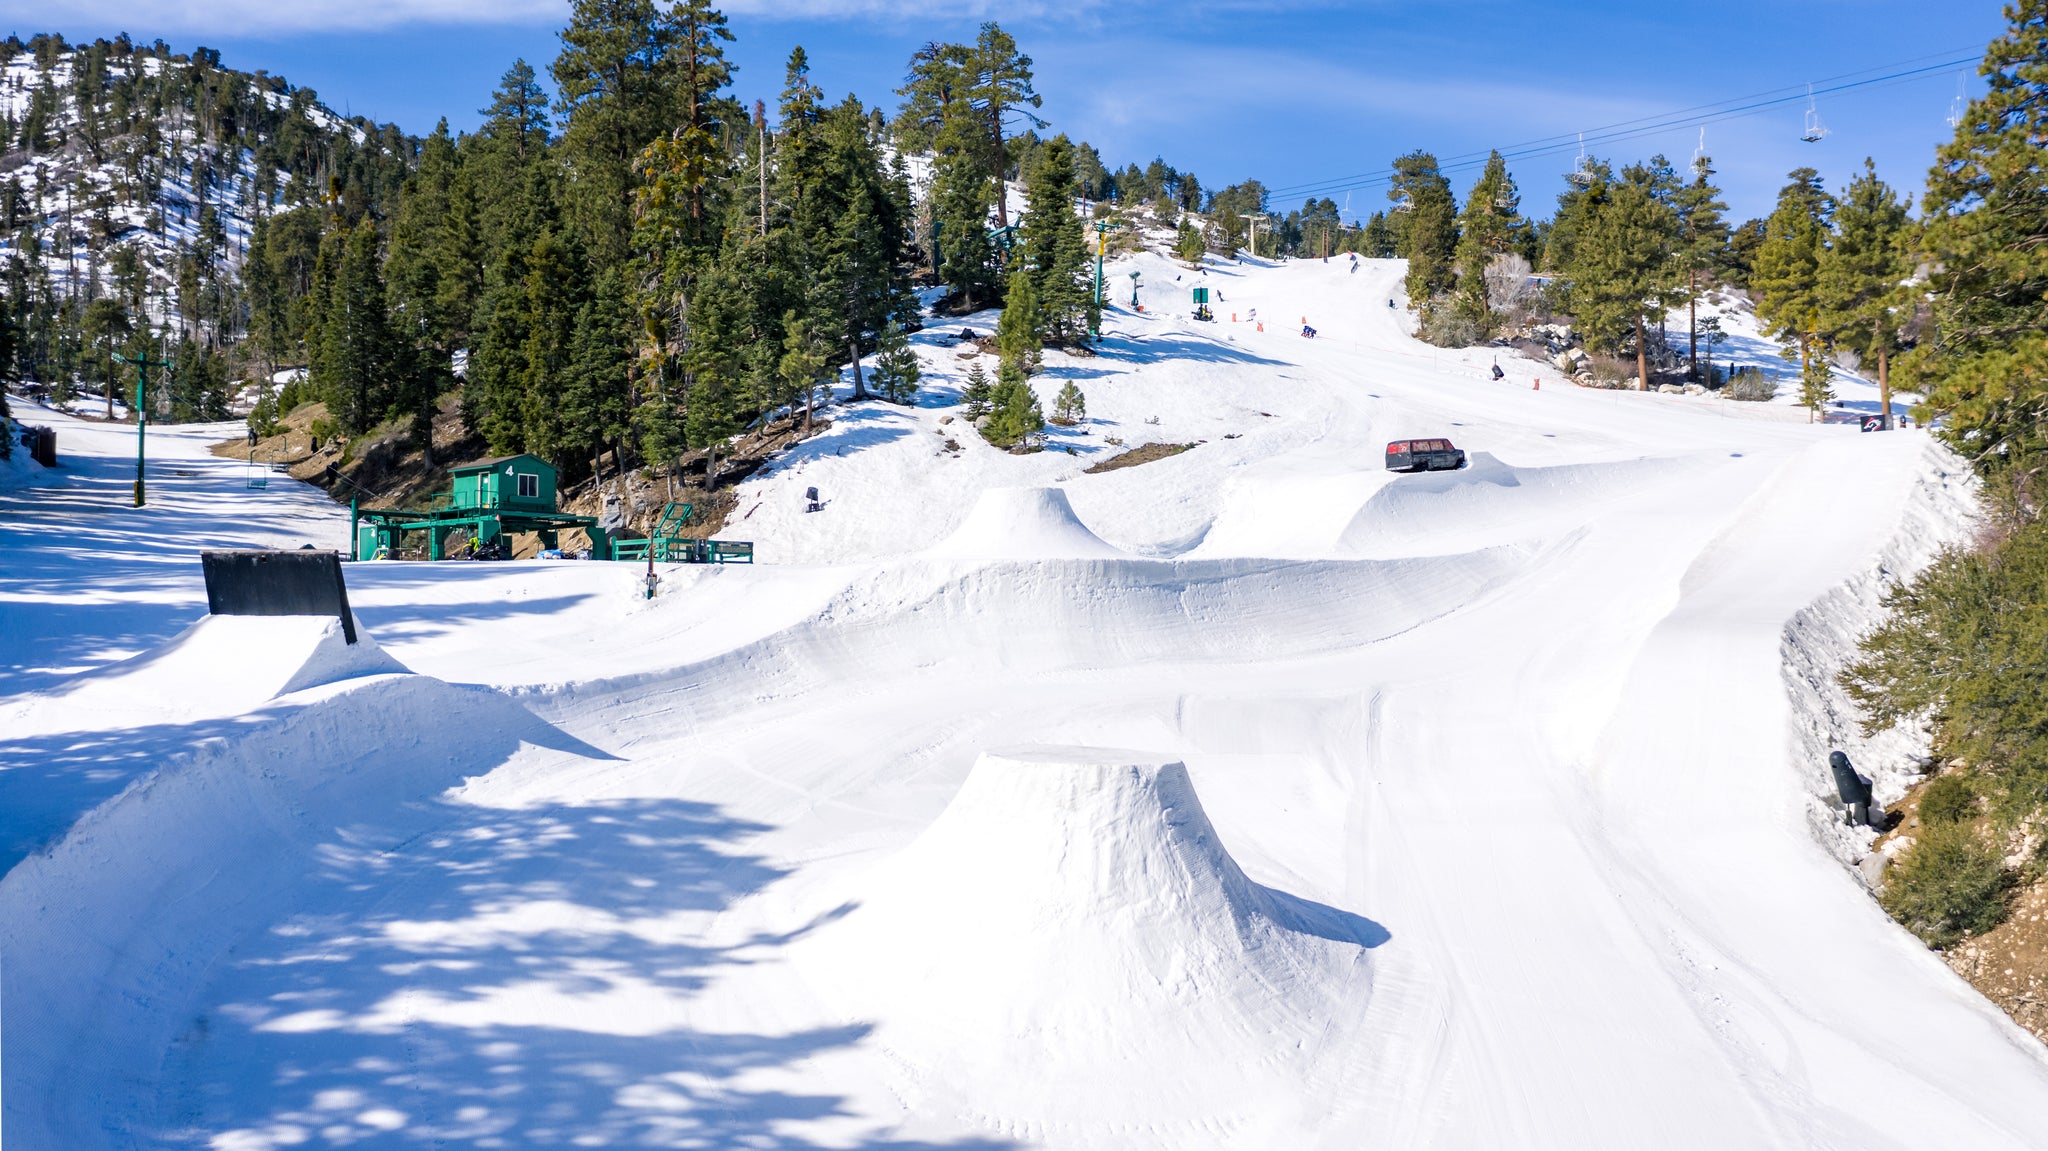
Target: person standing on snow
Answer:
pixel 1853 789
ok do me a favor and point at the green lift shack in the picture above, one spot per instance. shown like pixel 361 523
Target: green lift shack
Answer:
pixel 492 499
pixel 512 495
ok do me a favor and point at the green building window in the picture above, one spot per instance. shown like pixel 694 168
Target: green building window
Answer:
pixel 529 486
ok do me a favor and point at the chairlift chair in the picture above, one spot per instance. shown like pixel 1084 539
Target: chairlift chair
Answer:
pixel 257 480
pixel 1581 175
pixel 1815 130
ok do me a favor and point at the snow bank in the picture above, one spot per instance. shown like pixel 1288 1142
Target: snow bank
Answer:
pixel 1023 523
pixel 1074 912
pixel 1821 640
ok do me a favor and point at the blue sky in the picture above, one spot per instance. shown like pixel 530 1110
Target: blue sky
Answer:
pixel 1292 93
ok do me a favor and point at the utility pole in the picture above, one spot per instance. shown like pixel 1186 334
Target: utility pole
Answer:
pixel 142 364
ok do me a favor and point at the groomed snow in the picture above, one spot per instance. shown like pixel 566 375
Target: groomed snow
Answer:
pixel 1464 810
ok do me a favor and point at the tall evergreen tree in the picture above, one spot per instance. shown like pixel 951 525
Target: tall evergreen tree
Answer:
pixel 1490 226
pixel 615 79
pixel 596 389
pixel 1702 237
pixel 1054 247
pixel 1017 339
pixel 1863 303
pixel 353 360
pixel 1621 269
pixel 1986 370
pixel 1426 225
pixel 1786 278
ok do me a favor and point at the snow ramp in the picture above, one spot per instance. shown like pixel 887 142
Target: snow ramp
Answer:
pixel 1023 523
pixel 1488 501
pixel 66 751
pixel 1073 911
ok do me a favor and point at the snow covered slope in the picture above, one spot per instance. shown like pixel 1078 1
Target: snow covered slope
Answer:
pixel 1504 837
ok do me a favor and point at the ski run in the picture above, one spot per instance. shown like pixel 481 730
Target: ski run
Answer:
pixel 1252 797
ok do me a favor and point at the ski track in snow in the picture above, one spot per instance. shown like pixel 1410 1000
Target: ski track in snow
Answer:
pixel 1502 821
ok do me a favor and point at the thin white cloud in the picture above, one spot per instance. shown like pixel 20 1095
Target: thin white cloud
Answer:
pixel 269 17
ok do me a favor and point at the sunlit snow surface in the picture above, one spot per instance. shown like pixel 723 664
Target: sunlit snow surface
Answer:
pixel 1471 810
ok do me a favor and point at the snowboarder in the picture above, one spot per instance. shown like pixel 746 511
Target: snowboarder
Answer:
pixel 1497 373
pixel 1390 303
pixel 811 501
pixel 1307 332
pixel 1853 789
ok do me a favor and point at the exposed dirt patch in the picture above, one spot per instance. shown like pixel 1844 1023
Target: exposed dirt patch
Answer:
pixel 2009 963
pixel 385 468
pixel 1143 454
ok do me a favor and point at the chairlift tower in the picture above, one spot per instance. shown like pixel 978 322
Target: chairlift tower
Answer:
pixel 1815 130
pixel 1254 217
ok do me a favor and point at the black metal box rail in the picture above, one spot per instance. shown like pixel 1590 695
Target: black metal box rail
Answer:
pixel 261 582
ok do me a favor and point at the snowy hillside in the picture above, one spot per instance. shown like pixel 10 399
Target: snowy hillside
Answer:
pixel 1248 797
pixel 111 148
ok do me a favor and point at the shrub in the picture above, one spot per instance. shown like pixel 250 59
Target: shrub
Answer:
pixel 1752 385
pixel 1948 799
pixel 1446 327
pixel 1949 884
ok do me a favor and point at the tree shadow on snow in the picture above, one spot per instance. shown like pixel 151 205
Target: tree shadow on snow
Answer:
pixel 521 978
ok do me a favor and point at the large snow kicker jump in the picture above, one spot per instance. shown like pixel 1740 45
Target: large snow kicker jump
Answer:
pixel 1074 910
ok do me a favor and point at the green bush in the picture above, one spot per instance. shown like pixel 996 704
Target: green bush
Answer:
pixel 1949 884
pixel 1948 799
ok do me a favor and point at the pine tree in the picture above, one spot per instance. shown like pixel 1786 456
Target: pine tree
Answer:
pixel 1426 225
pixel 512 138
pixel 896 369
pixel 1491 226
pixel 1621 269
pixel 1702 236
pixel 552 300
pixel 1377 239
pixel 1188 243
pixel 428 319
pixel 353 361
pixel 1786 279
pixel 1986 225
pixel 1070 407
pixel 1014 414
pixel 1863 304
pixel 1816 386
pixel 1017 340
pixel 595 389
pixel 615 78
pixel 977 394
pixel 1054 246
pixel 803 364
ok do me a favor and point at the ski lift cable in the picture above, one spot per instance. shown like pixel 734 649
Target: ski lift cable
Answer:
pixel 1610 135
pixel 1604 136
pixel 1699 114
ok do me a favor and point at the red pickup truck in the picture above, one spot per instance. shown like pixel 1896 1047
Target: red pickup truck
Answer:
pixel 1424 456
